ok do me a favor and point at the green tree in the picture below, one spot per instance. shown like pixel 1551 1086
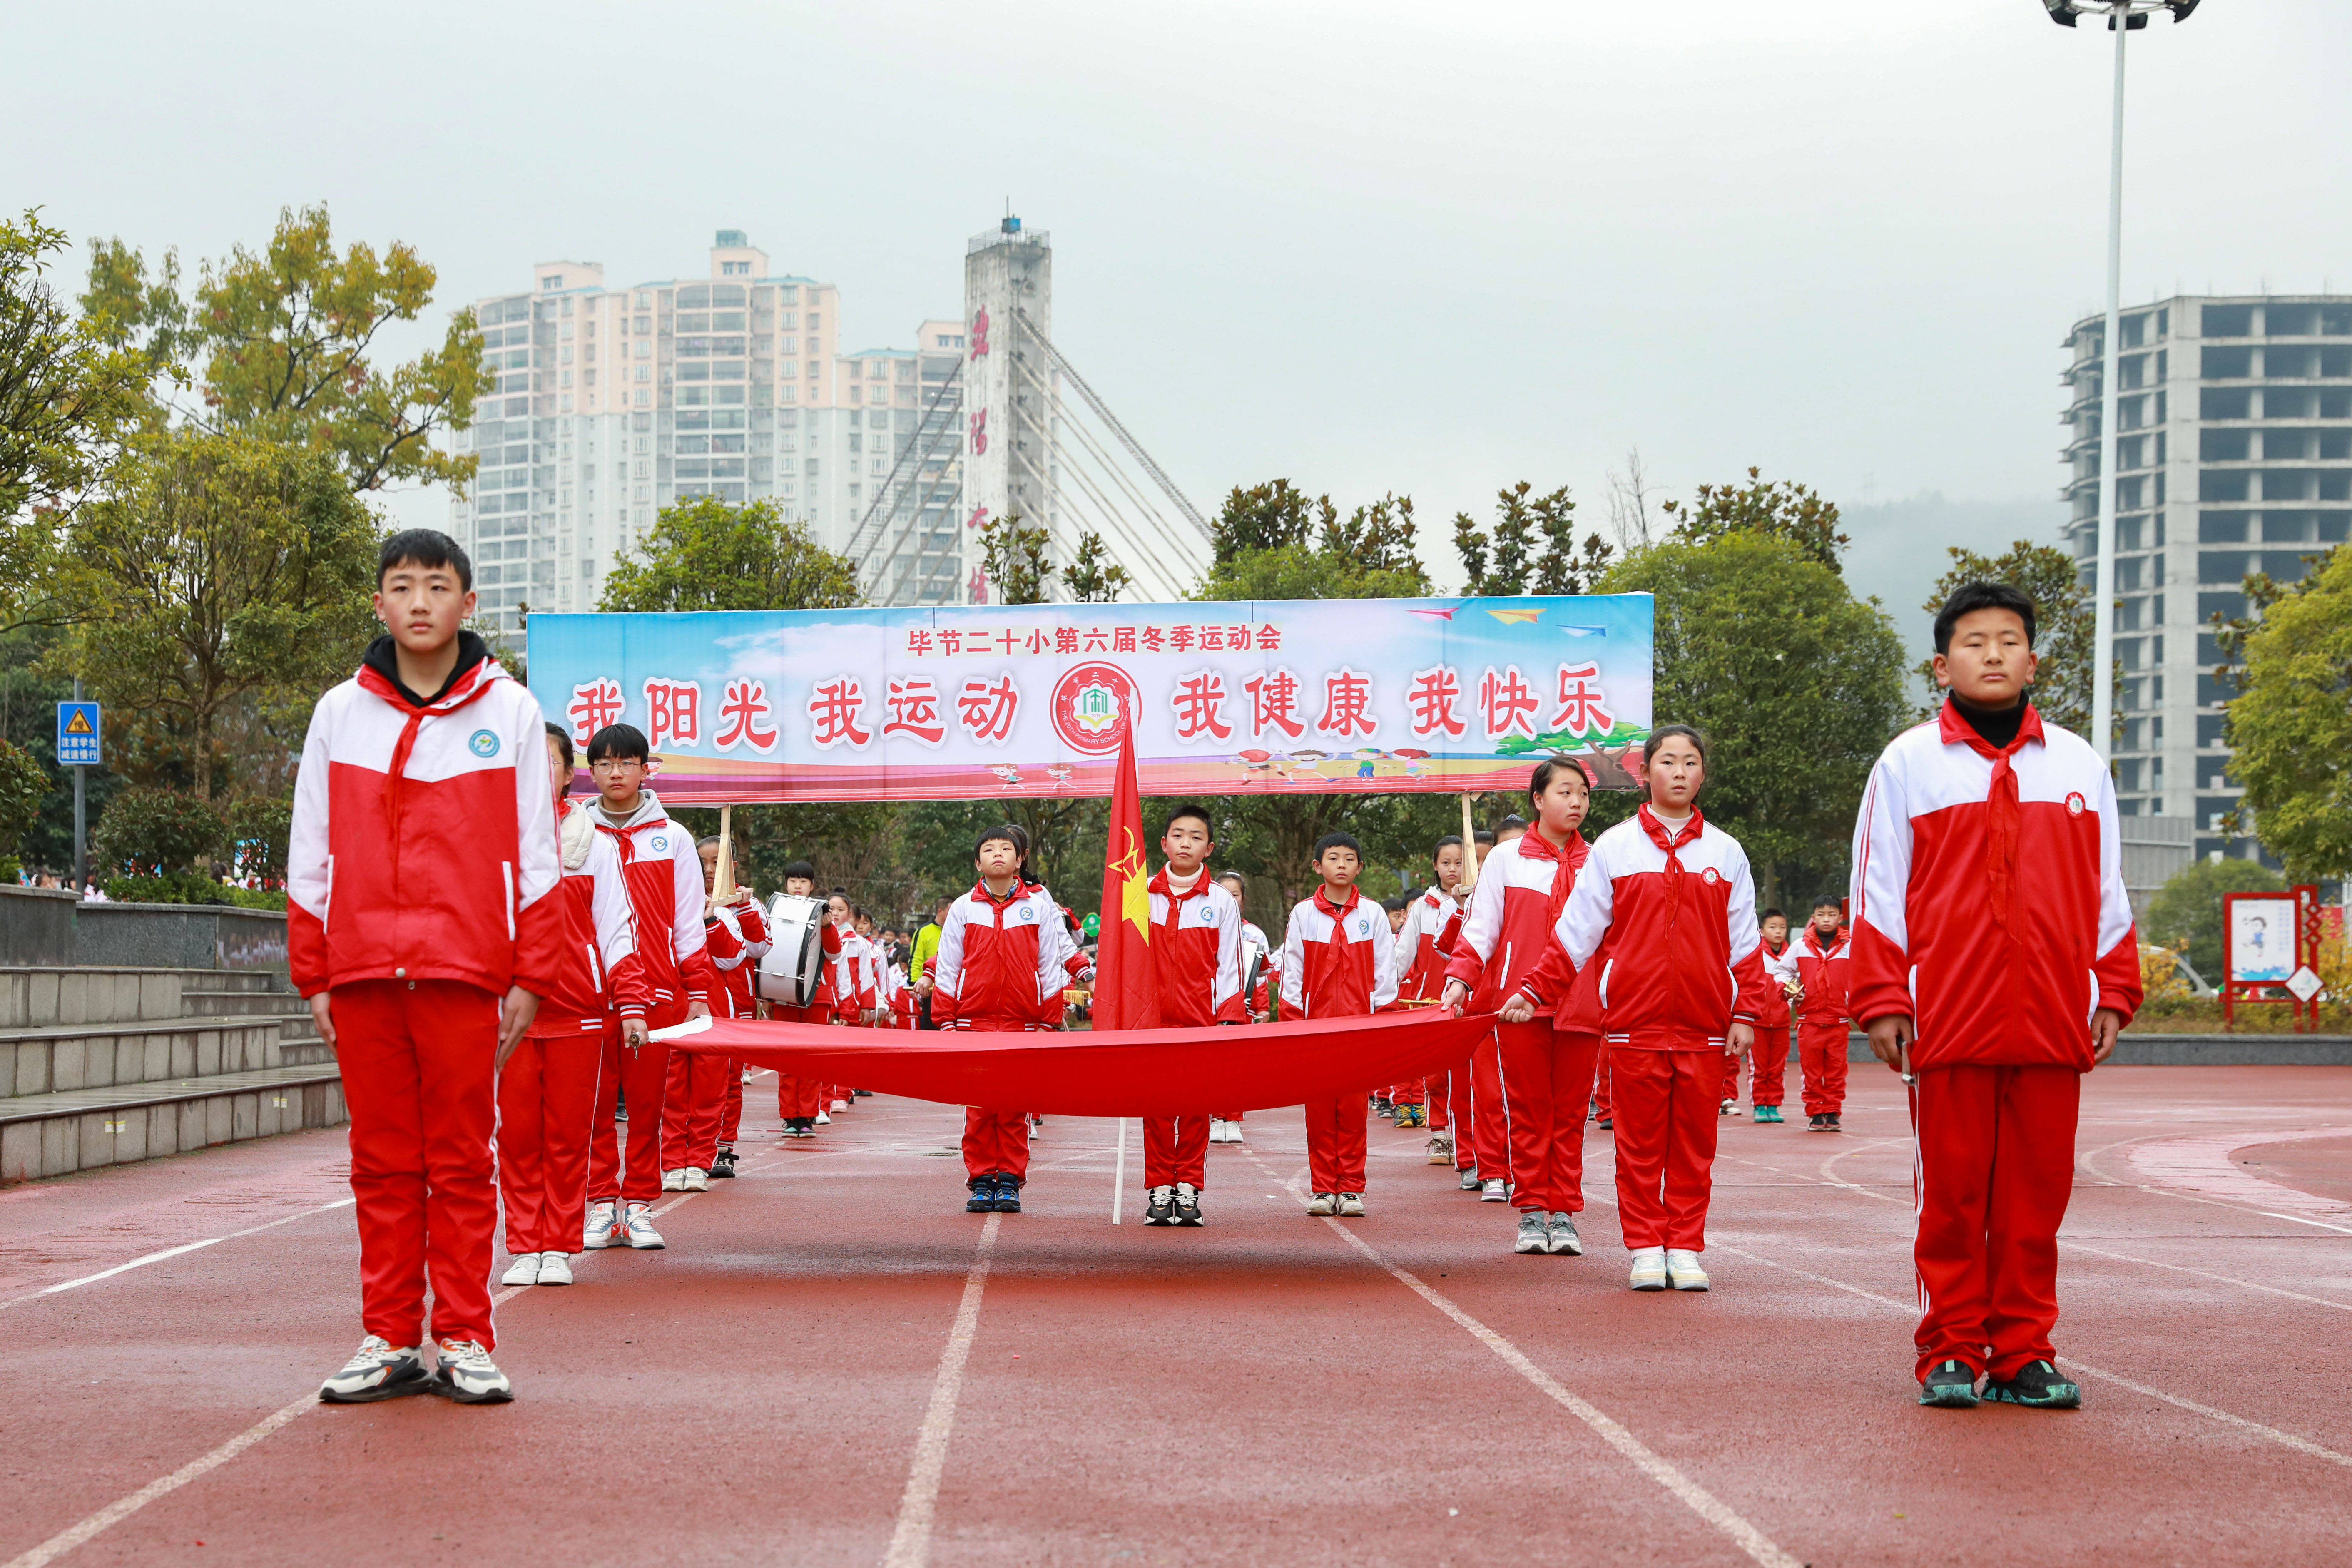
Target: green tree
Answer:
pixel 1092 577
pixel 1017 560
pixel 64 396
pixel 158 832
pixel 2062 616
pixel 23 788
pixel 1532 547
pixel 279 344
pixel 1782 509
pixel 1273 541
pixel 2290 726
pixel 1796 685
pixel 218 567
pixel 2186 913
pixel 710 554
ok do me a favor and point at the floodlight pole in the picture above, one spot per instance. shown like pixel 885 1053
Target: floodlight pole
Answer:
pixel 2103 609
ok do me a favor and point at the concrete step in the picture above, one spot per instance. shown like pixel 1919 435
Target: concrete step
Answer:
pixel 310 1051
pixel 65 1131
pixel 210 1002
pixel 103 1056
pixel 30 998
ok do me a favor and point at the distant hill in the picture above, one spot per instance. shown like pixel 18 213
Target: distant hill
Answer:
pixel 1899 547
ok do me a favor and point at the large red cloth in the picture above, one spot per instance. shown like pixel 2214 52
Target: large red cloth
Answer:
pixel 1113 1072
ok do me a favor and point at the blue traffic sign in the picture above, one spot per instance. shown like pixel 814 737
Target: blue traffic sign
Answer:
pixel 78 729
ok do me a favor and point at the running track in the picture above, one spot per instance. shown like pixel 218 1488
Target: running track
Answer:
pixel 833 1364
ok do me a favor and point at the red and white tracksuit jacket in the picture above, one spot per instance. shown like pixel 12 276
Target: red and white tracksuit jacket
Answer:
pixel 1002 965
pixel 600 974
pixel 1339 961
pixel 1989 905
pixel 1821 1018
pixel 421 886
pixel 1767 1064
pixel 737 937
pixel 1432 924
pixel 1672 914
pixel 1196 965
pixel 665 874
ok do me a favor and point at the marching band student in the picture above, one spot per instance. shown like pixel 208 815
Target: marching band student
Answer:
pixel 1258 1005
pixel 665 893
pixel 1547 1061
pixel 422 805
pixel 1196 964
pixel 547 1090
pixel 1002 953
pixel 1666 900
pixel 852 1002
pixel 1994 956
pixel 1389 1104
pixel 736 936
pixel 797 1095
pixel 1767 1064
pixel 1821 955
pixel 1338 962
pixel 1423 949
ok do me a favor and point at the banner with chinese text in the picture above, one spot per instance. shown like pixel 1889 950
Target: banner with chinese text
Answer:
pixel 1309 695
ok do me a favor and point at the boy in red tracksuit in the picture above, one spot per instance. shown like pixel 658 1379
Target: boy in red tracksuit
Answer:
pixel 1002 953
pixel 1547 1061
pixel 1994 957
pixel 1259 1002
pixel 547 1090
pixel 736 934
pixel 1822 958
pixel 1425 946
pixel 1196 964
pixel 1767 1064
pixel 798 1096
pixel 1666 904
pixel 1338 962
pixel 423 925
pixel 665 878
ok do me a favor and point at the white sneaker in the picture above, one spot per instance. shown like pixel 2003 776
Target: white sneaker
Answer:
pixel 639 1229
pixel 1535 1236
pixel 1216 1129
pixel 555 1269
pixel 469 1375
pixel 1323 1204
pixel 1492 1191
pixel 599 1232
pixel 1232 1131
pixel 377 1370
pixel 694 1179
pixel 1560 1237
pixel 1351 1206
pixel 1683 1271
pixel 674 1180
pixel 822 1120
pixel 838 1105
pixel 1649 1269
pixel 523 1270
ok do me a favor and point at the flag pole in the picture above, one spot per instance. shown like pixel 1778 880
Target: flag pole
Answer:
pixel 1118 1174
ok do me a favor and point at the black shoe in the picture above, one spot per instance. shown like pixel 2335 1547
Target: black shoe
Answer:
pixel 1830 1121
pixel 1949 1384
pixel 722 1165
pixel 1160 1205
pixel 1382 1108
pixel 984 1196
pixel 861 1094
pixel 2037 1384
pixel 1816 1122
pixel 1008 1195
pixel 1188 1204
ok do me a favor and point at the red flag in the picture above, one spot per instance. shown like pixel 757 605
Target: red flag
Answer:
pixel 1126 993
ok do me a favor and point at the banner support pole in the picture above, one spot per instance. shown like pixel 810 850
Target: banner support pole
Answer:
pixel 1469 848
pixel 1118 1174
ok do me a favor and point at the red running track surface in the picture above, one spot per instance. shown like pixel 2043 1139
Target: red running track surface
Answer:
pixel 1261 1391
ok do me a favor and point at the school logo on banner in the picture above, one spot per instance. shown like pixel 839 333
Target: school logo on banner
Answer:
pixel 483 743
pixel 1089 706
pixel 2074 804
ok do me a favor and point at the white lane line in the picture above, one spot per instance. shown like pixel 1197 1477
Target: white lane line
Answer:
pixel 910 1540
pixel 2287 1439
pixel 2206 1274
pixel 113 1514
pixel 171 1252
pixel 1697 1498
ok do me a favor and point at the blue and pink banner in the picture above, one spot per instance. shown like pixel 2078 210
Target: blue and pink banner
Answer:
pixel 1306 695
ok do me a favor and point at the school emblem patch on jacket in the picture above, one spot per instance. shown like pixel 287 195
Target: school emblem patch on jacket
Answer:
pixel 1028 914
pixel 483 743
pixel 659 844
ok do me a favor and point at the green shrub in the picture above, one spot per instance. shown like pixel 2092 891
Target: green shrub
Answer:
pixel 23 787
pixel 190 888
pixel 259 826
pixel 150 832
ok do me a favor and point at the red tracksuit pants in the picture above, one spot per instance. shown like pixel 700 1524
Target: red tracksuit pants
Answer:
pixel 1768 1066
pixel 797 1095
pixel 1668 1106
pixel 1442 1092
pixel 996 1142
pixel 1603 1104
pixel 1412 1092
pixel 730 1111
pixel 1820 1058
pixel 1546 1083
pixel 1335 1144
pixel 419 1060
pixel 1996 1167
pixel 1482 1136
pixel 644 1074
pixel 696 1102
pixel 1175 1149
pixel 547 1103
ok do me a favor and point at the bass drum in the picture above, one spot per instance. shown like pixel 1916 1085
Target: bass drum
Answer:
pixel 1254 961
pixel 795 958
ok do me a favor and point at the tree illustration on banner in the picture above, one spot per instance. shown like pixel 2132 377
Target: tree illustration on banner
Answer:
pixel 1126 994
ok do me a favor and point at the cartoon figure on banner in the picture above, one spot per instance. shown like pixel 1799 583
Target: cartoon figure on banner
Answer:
pixel 2261 939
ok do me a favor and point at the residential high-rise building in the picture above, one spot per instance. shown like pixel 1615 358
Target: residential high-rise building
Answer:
pixel 2233 454
pixel 615 401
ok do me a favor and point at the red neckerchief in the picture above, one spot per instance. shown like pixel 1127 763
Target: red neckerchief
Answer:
pixel 1338 912
pixel 1160 885
pixel 2002 811
pixel 1813 940
pixel 474 681
pixel 1670 843
pixel 1567 861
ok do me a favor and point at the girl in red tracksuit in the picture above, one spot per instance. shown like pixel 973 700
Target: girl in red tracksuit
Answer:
pixel 736 934
pixel 1196 963
pixel 1666 902
pixel 1821 955
pixel 1431 923
pixel 546 1090
pixel 1003 953
pixel 1338 962
pixel 1994 956
pixel 1546 1062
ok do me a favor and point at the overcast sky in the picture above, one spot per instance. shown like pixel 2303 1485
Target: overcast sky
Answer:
pixel 1367 245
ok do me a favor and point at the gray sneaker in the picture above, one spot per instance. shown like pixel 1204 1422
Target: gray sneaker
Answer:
pixel 378 1370
pixel 1533 1237
pixel 1470 1179
pixel 469 1376
pixel 1563 1239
